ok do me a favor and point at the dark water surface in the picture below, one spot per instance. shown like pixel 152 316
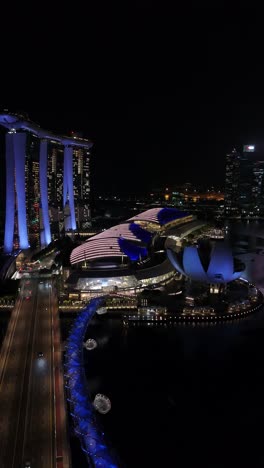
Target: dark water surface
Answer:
pixel 182 396
pixel 185 396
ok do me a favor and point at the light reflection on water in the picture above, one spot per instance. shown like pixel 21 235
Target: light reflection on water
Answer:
pixel 175 387
pixel 183 395
pixel 247 239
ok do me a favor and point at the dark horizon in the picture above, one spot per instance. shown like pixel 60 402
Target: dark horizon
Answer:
pixel 210 100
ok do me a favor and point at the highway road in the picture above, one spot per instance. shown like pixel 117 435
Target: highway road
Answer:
pixel 27 392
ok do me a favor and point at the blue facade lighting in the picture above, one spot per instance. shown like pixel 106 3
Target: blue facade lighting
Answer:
pixel 44 192
pixel 192 264
pixel 15 165
pixel 167 215
pixel 220 261
pixel 140 233
pixel 18 127
pixel 133 251
pixel 175 261
pixel 10 194
pixel 19 142
pixel 85 423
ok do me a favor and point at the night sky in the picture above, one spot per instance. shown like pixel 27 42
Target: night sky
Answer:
pixel 196 90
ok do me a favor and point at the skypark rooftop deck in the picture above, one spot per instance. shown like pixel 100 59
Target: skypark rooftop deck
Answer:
pixel 14 122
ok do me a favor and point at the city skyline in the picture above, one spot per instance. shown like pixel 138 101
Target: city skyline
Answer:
pixel 132 240
pixel 63 202
pixel 117 160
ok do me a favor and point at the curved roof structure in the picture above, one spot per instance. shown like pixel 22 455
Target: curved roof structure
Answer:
pixel 127 240
pixel 96 248
pixel 118 241
pixel 160 216
pixel 121 230
pixel 210 265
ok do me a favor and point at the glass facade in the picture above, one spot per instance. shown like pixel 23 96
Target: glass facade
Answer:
pixel 32 189
pixel 81 187
pixel 258 188
pixel 41 173
pixel 60 218
pixel 244 184
pixel 30 222
pixel 121 282
pixel 55 188
pixel 232 184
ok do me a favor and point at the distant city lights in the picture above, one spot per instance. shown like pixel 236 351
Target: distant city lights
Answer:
pixel 249 148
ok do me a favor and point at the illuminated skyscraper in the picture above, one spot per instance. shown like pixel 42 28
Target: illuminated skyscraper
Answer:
pixel 41 173
pixel 246 181
pixel 81 186
pixel 244 188
pixel 55 187
pixel 232 184
pixel 258 188
pixel 32 189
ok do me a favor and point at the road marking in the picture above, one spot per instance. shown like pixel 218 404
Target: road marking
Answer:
pixel 6 346
pixel 52 384
pixel 23 385
pixel 30 384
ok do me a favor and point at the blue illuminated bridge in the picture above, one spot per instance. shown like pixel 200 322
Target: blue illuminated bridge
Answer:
pixel 18 126
pixel 98 452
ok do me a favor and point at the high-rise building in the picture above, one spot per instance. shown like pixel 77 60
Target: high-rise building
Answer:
pixel 47 179
pixel 246 181
pixel 32 189
pixel 258 188
pixel 244 187
pixel 55 167
pixel 81 186
pixel 232 200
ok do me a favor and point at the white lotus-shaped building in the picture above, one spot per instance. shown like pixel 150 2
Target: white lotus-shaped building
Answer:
pixel 209 263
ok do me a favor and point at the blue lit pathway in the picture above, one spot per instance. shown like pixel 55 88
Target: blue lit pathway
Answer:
pixel 82 411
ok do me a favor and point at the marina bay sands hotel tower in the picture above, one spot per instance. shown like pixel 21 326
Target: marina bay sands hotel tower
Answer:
pixel 47 183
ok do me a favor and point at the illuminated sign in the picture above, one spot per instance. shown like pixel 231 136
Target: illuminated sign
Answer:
pixel 249 148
